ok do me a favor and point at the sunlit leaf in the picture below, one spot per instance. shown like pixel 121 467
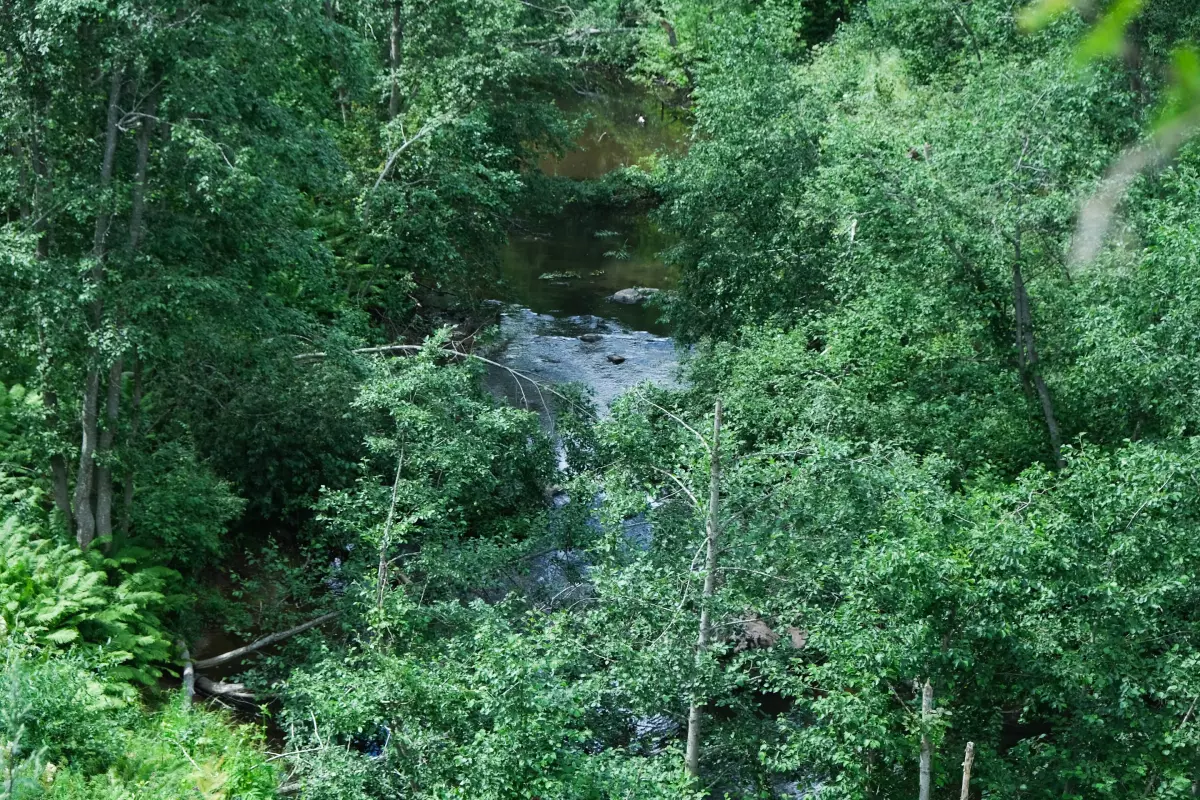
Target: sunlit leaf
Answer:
pixel 1108 36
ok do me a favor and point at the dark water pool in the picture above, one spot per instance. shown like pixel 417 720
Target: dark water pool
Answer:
pixel 559 273
pixel 571 266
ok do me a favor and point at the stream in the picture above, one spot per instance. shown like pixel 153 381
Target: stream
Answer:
pixel 558 276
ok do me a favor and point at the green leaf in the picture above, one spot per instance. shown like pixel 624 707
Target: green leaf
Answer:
pixel 1107 37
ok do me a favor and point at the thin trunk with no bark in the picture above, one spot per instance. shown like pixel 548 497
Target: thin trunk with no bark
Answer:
pixel 968 760
pixel 926 741
pixel 712 536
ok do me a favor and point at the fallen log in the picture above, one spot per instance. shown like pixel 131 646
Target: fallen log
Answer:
pixel 223 690
pixel 265 641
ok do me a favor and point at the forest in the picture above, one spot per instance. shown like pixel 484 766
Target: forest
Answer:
pixel 598 399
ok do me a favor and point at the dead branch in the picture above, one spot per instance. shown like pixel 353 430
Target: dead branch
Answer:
pixel 413 349
pixel 223 690
pixel 1097 214
pixel 265 641
pixel 968 760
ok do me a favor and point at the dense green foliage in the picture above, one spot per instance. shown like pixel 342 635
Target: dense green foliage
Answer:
pixel 937 263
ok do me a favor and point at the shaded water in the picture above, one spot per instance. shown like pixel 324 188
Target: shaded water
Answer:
pixel 558 275
pixel 613 137
pixel 580 259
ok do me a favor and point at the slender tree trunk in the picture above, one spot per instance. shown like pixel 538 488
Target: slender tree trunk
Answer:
pixel 926 741
pixel 85 530
pixel 104 478
pixel 712 536
pixel 41 200
pixel 1027 359
pixel 395 42
pixel 104 216
pixel 137 208
pixel 672 39
pixel 135 420
pixel 266 641
pixel 112 407
pixel 85 518
pixel 968 760
pixel 386 542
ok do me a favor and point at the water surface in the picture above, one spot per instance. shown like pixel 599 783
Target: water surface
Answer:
pixel 559 273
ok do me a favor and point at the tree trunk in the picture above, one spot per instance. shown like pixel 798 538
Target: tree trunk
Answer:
pixel 137 206
pixel 968 760
pixel 712 533
pixel 386 541
pixel 135 419
pixel 104 215
pixel 112 408
pixel 104 480
pixel 85 530
pixel 395 41
pixel 85 518
pixel 1027 358
pixel 926 741
pixel 672 39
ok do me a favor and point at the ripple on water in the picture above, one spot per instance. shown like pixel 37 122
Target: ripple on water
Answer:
pixel 549 350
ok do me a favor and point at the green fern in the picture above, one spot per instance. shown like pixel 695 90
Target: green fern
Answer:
pixel 54 596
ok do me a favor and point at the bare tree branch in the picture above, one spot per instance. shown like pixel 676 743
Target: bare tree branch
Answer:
pixel 265 641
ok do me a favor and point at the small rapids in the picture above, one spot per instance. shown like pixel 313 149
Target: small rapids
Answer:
pixel 548 350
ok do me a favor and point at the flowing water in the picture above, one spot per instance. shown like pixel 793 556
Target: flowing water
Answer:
pixel 559 274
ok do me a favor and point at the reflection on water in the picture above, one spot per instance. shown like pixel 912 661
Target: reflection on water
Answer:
pixel 572 267
pixel 558 275
pixel 613 136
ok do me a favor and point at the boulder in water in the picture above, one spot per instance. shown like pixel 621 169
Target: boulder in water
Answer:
pixel 590 338
pixel 633 296
pixel 616 359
